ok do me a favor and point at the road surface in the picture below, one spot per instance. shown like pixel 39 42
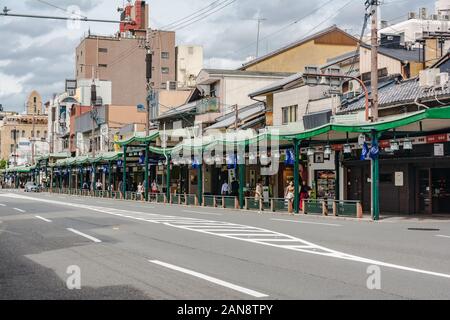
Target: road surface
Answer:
pixel 132 250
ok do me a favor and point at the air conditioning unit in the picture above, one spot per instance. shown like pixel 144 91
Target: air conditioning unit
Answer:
pixel 442 79
pixel 427 78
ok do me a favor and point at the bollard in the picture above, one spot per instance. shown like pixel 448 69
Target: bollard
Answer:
pixel 359 210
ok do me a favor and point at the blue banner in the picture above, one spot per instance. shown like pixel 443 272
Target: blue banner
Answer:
pixel 290 157
pixel 374 152
pixel 365 152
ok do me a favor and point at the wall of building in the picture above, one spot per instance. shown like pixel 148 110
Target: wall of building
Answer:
pixel 24 127
pixel 189 63
pixel 301 97
pixel 123 64
pixel 393 66
pixel 297 58
pixel 34 104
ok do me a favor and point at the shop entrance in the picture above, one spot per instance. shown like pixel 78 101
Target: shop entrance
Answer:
pixel 434 191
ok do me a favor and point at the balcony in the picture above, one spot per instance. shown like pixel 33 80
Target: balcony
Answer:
pixel 208 105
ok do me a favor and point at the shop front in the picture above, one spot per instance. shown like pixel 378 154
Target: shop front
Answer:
pixel 415 181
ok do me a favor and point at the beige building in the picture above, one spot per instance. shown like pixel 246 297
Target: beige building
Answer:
pixel 16 131
pixel 34 104
pixel 189 63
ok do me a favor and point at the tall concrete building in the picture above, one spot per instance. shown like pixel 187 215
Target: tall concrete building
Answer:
pixel 121 58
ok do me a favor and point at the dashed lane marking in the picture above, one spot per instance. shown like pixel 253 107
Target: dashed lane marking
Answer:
pixel 276 239
pixel 43 219
pixel 20 210
pixel 84 235
pixel 205 277
pixel 442 236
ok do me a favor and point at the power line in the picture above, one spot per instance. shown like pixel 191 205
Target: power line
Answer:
pixel 59 8
pixel 206 16
pixel 207 8
pixel 288 25
pixel 6 13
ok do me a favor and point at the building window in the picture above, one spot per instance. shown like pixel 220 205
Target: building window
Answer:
pixel 173 85
pixel 11 149
pixel 191 50
pixel 38 134
pixel 45 133
pixel 23 133
pixel 164 70
pixel 289 114
pixel 104 50
pixel 164 85
pixel 164 55
pixel 103 66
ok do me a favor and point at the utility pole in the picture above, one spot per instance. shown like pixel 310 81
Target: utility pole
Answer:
pixel 258 34
pixel 93 115
pixel 374 57
pixel 33 134
pixel 236 117
pixel 148 66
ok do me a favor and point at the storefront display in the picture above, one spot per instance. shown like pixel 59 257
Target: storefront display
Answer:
pixel 325 184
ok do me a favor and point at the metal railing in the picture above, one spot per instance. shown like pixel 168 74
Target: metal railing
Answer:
pixel 325 207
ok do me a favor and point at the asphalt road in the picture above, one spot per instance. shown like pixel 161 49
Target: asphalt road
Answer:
pixel 131 250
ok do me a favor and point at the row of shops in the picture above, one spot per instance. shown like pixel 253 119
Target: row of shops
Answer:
pixel 399 165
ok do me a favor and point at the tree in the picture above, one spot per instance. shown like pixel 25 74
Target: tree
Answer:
pixel 3 164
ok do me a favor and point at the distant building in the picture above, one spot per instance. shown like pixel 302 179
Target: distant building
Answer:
pixel 34 104
pixel 424 30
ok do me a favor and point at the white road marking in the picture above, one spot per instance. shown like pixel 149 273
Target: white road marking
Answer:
pixel 308 222
pixel 44 219
pixel 84 235
pixel 20 210
pixel 219 282
pixel 294 243
pixel 2 205
pixel 206 213
pixel 442 236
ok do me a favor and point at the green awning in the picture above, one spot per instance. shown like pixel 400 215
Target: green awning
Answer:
pixel 426 120
pixel 139 140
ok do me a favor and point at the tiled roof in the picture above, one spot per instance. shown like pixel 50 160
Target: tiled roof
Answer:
pixel 395 93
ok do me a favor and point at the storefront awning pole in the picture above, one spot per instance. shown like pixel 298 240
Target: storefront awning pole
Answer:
pixel 146 178
pixel 241 185
pixel 124 177
pixel 200 183
pixel 375 198
pixel 296 176
pixel 168 178
pixel 109 177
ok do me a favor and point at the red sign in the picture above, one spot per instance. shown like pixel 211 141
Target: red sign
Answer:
pixel 437 138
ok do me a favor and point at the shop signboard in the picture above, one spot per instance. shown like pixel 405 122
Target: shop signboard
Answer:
pixel 439 150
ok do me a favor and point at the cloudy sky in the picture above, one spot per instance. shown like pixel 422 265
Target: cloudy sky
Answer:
pixel 39 54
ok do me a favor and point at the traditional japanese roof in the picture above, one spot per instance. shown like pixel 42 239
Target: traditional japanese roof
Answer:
pixel 244 114
pixel 393 93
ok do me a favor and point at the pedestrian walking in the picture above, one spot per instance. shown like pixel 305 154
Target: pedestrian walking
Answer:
pixel 225 188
